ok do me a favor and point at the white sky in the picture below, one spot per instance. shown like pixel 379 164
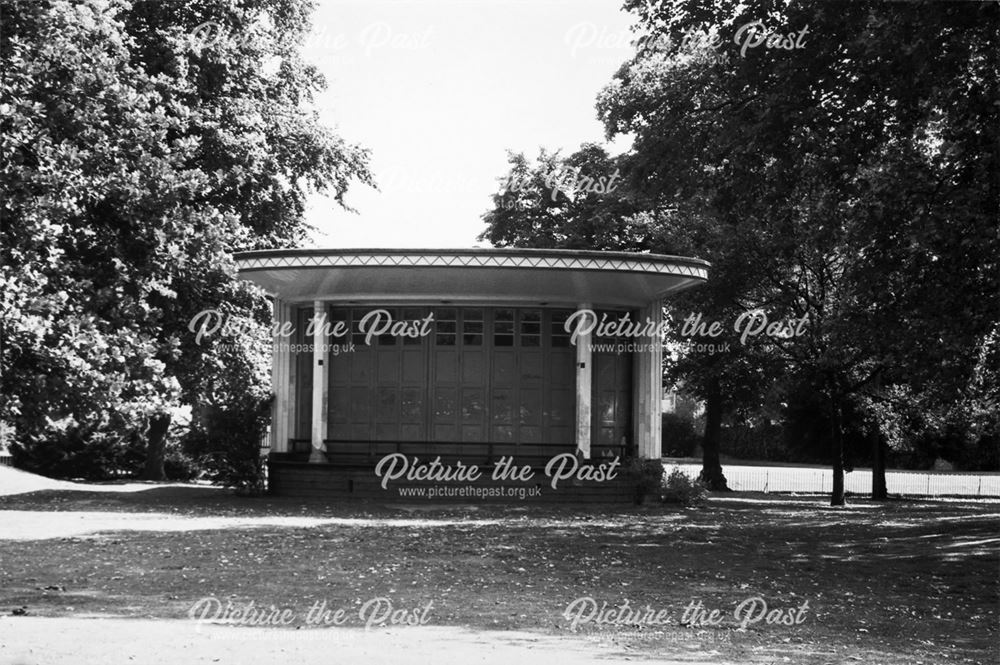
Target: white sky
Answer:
pixel 438 90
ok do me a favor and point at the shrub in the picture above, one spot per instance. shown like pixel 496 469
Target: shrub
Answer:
pixel 76 453
pixel 648 477
pixel 178 465
pixel 681 488
pixel 227 444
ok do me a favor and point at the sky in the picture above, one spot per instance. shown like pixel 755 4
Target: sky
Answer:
pixel 439 91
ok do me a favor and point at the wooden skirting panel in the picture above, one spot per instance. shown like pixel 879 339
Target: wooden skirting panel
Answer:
pixel 326 481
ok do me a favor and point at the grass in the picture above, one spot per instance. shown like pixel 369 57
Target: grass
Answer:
pixel 747 476
pixel 901 582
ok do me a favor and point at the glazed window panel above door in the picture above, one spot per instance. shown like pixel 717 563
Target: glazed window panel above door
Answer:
pixel 445 326
pixel 411 315
pixel 473 328
pixel 559 336
pixel 503 327
pixel 530 328
pixel 357 337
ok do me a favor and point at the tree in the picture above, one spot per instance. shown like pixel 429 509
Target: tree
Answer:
pixel 138 152
pixel 856 165
pixel 847 179
pixel 572 202
pixel 545 204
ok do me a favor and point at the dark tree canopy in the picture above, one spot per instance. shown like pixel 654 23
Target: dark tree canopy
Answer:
pixel 141 143
pixel 852 180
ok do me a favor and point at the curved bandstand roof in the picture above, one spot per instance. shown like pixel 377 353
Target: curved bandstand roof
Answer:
pixel 536 276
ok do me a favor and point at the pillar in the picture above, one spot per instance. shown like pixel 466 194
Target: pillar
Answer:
pixel 584 383
pixel 319 383
pixel 648 389
pixel 280 377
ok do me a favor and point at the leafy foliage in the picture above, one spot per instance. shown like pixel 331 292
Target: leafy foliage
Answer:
pixel 228 444
pixel 681 435
pixel 681 488
pixel 852 182
pixel 568 202
pixel 647 474
pixel 135 157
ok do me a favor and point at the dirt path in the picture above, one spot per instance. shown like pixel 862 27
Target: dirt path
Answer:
pixel 64 641
pixel 30 525
pixel 14 481
pixel 111 577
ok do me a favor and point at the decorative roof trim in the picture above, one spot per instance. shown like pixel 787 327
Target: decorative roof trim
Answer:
pixel 547 259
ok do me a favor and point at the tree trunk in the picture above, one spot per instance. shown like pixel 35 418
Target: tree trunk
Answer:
pixel 879 490
pixel 156 442
pixel 837 496
pixel 711 468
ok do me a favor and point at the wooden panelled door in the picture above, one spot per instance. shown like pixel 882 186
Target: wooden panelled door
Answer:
pixel 501 379
pixel 458 378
